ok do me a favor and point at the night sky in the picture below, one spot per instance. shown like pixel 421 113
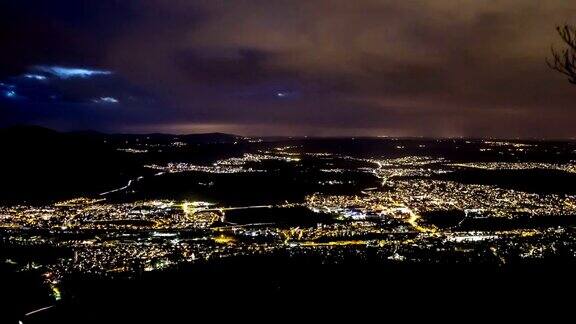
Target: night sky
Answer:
pixel 322 68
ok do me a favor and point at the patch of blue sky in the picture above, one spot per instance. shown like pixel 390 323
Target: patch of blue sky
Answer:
pixel 69 72
pixel 106 100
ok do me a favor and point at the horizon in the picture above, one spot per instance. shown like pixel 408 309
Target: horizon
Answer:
pixel 526 139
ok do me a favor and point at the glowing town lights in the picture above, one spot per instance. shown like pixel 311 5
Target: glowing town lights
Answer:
pixel 223 239
pixel 56 293
pixel 393 224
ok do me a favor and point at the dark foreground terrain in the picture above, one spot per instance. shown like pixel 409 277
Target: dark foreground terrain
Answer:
pixel 266 290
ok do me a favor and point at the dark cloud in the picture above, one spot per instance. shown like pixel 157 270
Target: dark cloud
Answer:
pixel 325 67
pixel 232 66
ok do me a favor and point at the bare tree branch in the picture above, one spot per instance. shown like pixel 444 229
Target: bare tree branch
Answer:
pixel 564 61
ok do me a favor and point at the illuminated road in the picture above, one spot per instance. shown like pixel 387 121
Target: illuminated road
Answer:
pixel 413 221
pixel 223 209
pixel 130 182
pixel 39 310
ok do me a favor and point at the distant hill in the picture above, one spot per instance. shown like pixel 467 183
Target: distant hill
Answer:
pixel 161 138
pixel 40 164
pixel 165 139
pixel 33 135
pixel 211 138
